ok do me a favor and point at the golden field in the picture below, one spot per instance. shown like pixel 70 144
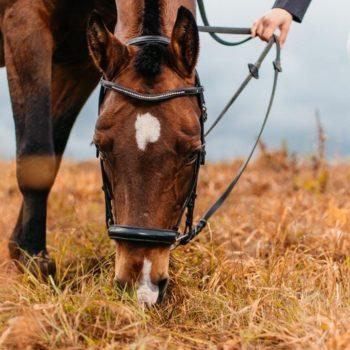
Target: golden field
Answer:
pixel 272 270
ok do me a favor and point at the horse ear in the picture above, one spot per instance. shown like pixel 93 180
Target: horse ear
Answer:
pixel 107 52
pixel 184 44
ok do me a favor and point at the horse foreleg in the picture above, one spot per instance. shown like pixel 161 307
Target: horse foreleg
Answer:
pixel 28 60
pixel 71 86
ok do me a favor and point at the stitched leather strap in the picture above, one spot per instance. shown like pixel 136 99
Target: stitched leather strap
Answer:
pixel 167 95
pixel 149 39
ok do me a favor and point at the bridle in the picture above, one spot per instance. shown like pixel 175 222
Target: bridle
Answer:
pixel 173 237
pixel 146 235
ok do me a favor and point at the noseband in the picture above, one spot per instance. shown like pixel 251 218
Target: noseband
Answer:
pixel 173 237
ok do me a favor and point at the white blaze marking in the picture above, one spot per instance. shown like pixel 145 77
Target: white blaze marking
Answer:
pixel 147 293
pixel 147 130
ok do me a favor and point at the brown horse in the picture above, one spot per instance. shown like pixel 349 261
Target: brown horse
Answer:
pixel 148 148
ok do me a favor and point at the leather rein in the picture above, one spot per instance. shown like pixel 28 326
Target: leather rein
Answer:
pixel 173 237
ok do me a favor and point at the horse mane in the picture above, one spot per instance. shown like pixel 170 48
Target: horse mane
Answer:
pixel 149 59
pixel 151 21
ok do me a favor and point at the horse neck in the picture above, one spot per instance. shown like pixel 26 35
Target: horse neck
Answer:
pixel 130 13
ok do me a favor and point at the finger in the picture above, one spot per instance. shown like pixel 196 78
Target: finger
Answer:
pixel 260 30
pixel 284 34
pixel 268 32
pixel 253 29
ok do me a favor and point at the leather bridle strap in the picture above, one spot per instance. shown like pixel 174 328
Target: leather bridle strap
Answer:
pixel 108 194
pixel 207 28
pixel 220 201
pixel 168 95
pixel 142 235
pixel 148 39
pixel 253 73
pixel 225 30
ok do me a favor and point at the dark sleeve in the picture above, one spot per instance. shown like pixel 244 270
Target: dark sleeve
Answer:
pixel 295 7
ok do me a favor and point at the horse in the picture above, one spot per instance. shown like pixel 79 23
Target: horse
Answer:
pixel 55 52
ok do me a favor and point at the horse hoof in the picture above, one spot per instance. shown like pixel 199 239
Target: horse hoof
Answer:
pixel 40 265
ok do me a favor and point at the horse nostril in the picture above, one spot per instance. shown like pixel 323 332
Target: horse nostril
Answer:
pixel 162 285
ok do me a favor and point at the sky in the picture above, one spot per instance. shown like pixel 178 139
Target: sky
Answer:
pixel 316 76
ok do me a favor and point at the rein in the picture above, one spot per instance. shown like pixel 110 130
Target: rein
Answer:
pixel 174 237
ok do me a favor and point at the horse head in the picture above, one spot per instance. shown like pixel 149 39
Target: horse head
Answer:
pixel 149 149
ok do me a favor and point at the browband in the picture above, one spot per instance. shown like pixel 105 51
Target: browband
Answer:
pixel 149 39
pixel 168 95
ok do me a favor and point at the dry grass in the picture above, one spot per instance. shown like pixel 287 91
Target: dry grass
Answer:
pixel 272 271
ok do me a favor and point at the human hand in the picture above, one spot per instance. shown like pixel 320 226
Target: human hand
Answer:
pixel 276 18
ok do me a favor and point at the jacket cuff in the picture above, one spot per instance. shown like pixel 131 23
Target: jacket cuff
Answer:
pixel 297 8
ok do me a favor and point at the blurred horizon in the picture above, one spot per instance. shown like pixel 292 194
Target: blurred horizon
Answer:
pixel 316 72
